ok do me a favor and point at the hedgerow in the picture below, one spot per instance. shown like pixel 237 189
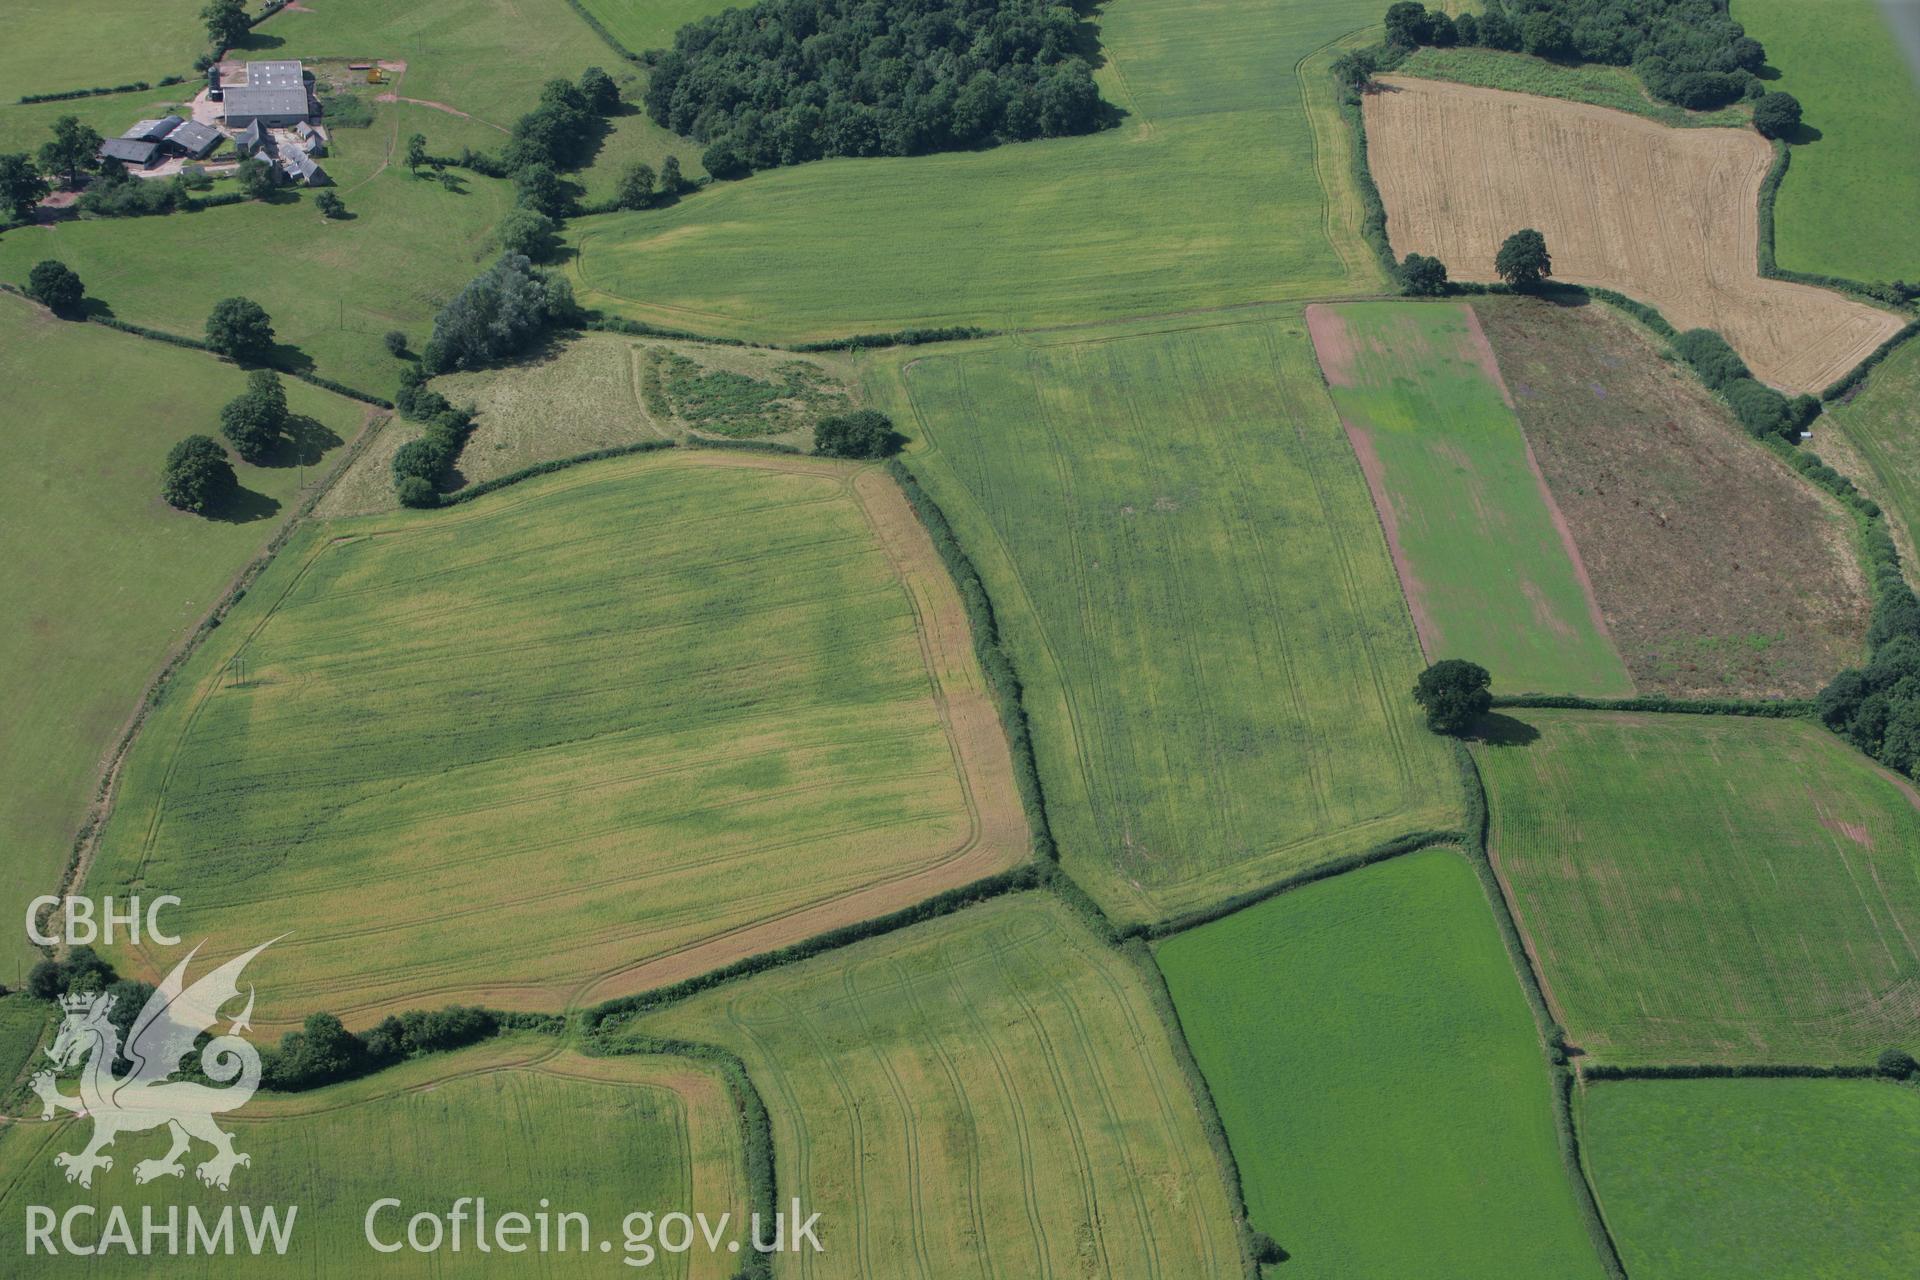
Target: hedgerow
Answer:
pixel 1783 709
pixel 897 338
pixel 138 86
pixel 472 491
pixel 1728 1071
pixel 1002 679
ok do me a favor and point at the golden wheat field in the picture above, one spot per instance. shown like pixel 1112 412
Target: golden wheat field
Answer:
pixel 1667 216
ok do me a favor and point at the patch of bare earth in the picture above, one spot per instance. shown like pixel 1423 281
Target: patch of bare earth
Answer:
pixel 1720 572
pixel 1667 216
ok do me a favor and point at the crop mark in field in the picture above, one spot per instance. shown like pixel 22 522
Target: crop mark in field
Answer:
pixel 1664 215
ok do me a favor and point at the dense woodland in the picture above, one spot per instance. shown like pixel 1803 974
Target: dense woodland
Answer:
pixel 1689 52
pixel 792 80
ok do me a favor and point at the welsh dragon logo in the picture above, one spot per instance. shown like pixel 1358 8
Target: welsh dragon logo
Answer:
pixel 173 1018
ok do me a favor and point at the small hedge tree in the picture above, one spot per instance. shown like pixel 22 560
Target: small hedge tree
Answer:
pixel 1421 276
pixel 54 285
pixel 1523 261
pixel 864 433
pixel 1776 115
pixel 239 328
pixel 1454 693
pixel 1897 1064
pixel 198 477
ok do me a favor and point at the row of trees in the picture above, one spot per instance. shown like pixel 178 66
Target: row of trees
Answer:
pixel 1688 52
pixel 323 1051
pixel 786 81
pixel 69 155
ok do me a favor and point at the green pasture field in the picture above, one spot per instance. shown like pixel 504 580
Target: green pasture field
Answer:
pixel 1710 889
pixel 1847 205
pixel 23 1021
pixel 1489 571
pixel 488 59
pixel 518 1121
pixel 332 288
pixel 103 577
pixel 581 731
pixel 1211 190
pixel 1882 423
pixel 1728 1179
pixel 1193 586
pixel 990 1093
pixel 641 25
pixel 1381 1079
pixel 1589 82
pixel 53 46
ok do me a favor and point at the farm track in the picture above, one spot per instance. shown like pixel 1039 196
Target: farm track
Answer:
pixel 1459 167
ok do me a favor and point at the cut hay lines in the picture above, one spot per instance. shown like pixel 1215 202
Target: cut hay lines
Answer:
pixel 1711 889
pixel 954 1077
pixel 1183 604
pixel 600 761
pixel 1667 216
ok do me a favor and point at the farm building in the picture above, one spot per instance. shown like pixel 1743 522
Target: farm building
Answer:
pixel 273 95
pixel 311 139
pixel 301 167
pixel 133 152
pixel 193 140
pixel 254 140
pixel 152 130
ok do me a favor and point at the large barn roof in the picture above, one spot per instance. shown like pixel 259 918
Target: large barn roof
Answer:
pixel 271 89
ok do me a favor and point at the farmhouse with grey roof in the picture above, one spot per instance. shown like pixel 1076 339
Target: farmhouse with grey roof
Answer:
pixel 274 94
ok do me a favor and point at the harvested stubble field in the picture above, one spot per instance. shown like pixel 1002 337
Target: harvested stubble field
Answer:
pixel 1381 1079
pixel 1720 571
pixel 1710 889
pixel 1730 1179
pixel 102 576
pixel 988 1094
pixel 572 740
pixel 1212 189
pixel 1666 216
pixel 518 1121
pixel 1490 571
pixel 1215 655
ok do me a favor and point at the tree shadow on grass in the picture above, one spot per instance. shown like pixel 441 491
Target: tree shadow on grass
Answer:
pixel 1802 134
pixel 305 443
pixel 1497 730
pixel 244 506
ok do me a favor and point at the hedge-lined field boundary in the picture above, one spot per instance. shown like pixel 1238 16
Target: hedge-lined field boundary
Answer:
pixel 482 487
pixel 1552 1036
pixel 1732 1071
pixel 607 37
pixel 601 322
pixel 100 91
pixel 693 441
pixel 1784 709
pixel 1141 957
pixel 995 663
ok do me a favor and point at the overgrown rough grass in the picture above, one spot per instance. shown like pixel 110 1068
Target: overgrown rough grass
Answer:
pixel 988 1092
pixel 1204 194
pixel 102 576
pixel 1195 592
pixel 1847 205
pixel 1671 504
pixel 570 741
pixel 332 288
pixel 1488 567
pixel 1381 1079
pixel 1727 1179
pixel 1709 889
pixel 515 1121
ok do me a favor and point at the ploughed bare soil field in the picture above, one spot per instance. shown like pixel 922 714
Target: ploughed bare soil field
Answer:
pixel 1667 216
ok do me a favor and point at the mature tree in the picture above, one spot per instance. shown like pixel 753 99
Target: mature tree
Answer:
pixel 528 231
pixel 198 477
pixel 256 419
pixel 671 183
pixel 21 186
pixel 416 152
pixel 239 328
pixel 227 22
pixel 1897 1063
pixel 322 1051
pixel 864 433
pixel 1775 115
pixel 1545 34
pixel 256 178
pixel 598 91
pixel 1407 24
pixel 1453 692
pixel 501 311
pixel 1523 261
pixel 723 160
pixel 330 205
pixel 636 187
pixel 1355 69
pixel 73 150
pixel 54 285
pixel 1421 276
pixel 539 188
